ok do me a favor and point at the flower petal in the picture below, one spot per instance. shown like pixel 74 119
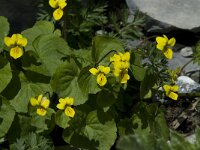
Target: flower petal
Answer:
pixel 168 53
pixel 53 3
pixel 62 3
pixel 16 52
pixel 34 102
pixel 60 106
pixel 166 38
pixel 104 70
pixel 45 102
pixel 94 71
pixel 175 88
pixel 172 42
pixel 167 88
pixel 115 57
pixel 160 46
pixel 41 111
pixel 161 41
pixel 9 42
pixel 57 14
pixel 124 78
pixel 173 95
pixel 126 56
pixel 40 98
pixel 101 79
pixel 22 41
pixel 117 72
pixel 69 112
pixel 69 101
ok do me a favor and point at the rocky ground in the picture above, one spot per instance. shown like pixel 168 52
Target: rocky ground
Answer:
pixel 179 19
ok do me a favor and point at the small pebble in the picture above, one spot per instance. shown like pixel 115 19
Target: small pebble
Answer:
pixel 186 51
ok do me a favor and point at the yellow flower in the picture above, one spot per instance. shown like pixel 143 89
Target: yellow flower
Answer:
pixel 16 52
pixel 16 42
pixel 101 79
pixel 121 60
pixel 174 73
pixel 59 5
pixel 57 14
pixel 65 104
pixel 101 71
pixel 41 103
pixel 121 64
pixel 170 91
pixel 165 45
pixel 122 74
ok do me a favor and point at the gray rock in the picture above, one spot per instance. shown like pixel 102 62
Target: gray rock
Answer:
pixel 21 14
pixel 191 138
pixel 186 51
pixel 183 14
pixel 192 69
pixel 187 85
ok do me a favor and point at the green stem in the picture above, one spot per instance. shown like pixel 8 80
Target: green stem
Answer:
pixel 189 95
pixel 185 66
pixel 105 56
pixel 64 33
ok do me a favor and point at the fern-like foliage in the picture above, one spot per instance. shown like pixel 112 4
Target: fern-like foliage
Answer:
pixel 44 11
pixel 83 20
pixel 32 142
pixel 196 54
pixel 125 27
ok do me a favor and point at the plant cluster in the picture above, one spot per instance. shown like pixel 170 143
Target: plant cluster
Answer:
pixel 87 94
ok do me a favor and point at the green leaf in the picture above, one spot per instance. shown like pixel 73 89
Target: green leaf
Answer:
pixel 87 82
pixel 125 126
pixel 29 89
pixel 159 126
pixel 148 118
pixel 147 84
pixel 179 142
pixel 138 72
pixel 30 63
pixel 136 142
pixel 105 99
pixel 197 53
pixel 41 122
pixel 102 45
pixel 65 82
pixel 5 73
pixel 4 30
pixel 40 28
pixel 136 67
pixel 50 49
pixel 7 114
pixel 105 134
pixel 197 133
pixel 61 119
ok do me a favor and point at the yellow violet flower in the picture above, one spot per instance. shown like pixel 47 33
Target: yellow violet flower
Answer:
pixel 59 5
pixel 65 104
pixel 101 71
pixel 16 52
pixel 16 42
pixel 121 64
pixel 57 14
pixel 165 45
pixel 122 74
pixel 121 60
pixel 42 103
pixel 170 91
